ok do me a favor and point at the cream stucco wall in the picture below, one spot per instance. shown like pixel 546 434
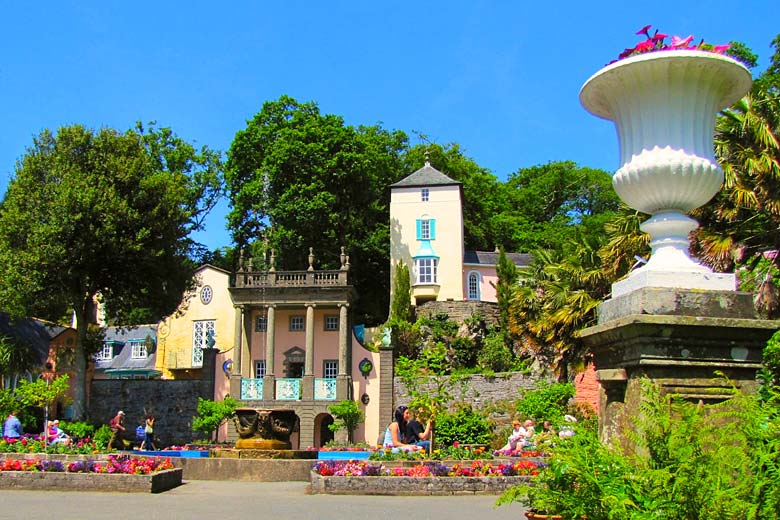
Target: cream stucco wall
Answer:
pixel 174 334
pixel 443 205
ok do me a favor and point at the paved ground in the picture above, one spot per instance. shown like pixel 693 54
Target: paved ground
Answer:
pixel 203 499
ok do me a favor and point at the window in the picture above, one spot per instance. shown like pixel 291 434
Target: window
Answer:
pixel 205 294
pixel 473 286
pixel 200 334
pixel 426 229
pixel 331 322
pixel 261 323
pixel 259 368
pixel 297 323
pixel 424 194
pixel 426 269
pixel 106 353
pixel 138 349
pixel 330 368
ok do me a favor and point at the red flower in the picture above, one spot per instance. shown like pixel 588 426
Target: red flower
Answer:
pixel 644 30
pixel 720 49
pixel 644 46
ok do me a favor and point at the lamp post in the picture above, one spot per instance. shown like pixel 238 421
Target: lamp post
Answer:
pixel 46 376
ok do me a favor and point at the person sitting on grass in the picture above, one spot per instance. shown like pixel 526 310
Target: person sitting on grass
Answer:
pixel 395 434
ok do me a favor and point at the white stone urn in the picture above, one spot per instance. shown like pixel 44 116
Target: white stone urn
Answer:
pixel 664 105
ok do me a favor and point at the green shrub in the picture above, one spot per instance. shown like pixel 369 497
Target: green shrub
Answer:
pixel 495 354
pixel 102 436
pixel 549 402
pixel 465 426
pixel 348 416
pixel 211 414
pixel 78 429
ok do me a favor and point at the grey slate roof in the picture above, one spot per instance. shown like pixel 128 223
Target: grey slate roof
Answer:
pixel 121 337
pixel 425 176
pixel 36 333
pixel 491 258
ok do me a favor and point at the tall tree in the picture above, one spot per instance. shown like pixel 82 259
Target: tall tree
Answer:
pixel 102 212
pixel 299 179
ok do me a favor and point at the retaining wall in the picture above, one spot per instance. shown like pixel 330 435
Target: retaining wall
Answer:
pixel 412 485
pixel 62 481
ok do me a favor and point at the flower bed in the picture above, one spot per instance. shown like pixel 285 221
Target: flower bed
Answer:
pixel 431 478
pixel 124 473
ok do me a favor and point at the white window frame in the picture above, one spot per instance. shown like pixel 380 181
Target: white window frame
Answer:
pixel 297 323
pixel 475 276
pixel 259 368
pixel 331 322
pixel 200 331
pixel 261 323
pixel 426 270
pixel 138 349
pixel 425 194
pixel 106 353
pixel 330 368
pixel 425 229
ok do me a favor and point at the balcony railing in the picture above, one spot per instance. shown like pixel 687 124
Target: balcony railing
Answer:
pixel 288 389
pixel 251 389
pixel 291 278
pixel 324 389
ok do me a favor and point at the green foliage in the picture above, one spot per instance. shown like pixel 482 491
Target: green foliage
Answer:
pixel 401 305
pixel 464 426
pixel 212 414
pixel 39 393
pixel 423 381
pixel 304 179
pixel 102 212
pixel 506 271
pixel 348 416
pixel 548 402
pixel 495 354
pixel 692 462
pixel 16 358
pixel 78 429
pixel 102 436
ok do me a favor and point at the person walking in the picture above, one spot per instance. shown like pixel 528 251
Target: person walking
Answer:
pixel 148 434
pixel 117 428
pixel 12 427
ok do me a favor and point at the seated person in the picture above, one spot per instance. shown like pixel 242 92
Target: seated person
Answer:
pixel 56 435
pixel 416 434
pixel 519 436
pixel 395 433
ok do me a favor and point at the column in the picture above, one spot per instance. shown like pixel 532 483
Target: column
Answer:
pixel 235 376
pixel 269 381
pixel 246 345
pixel 308 366
pixel 343 381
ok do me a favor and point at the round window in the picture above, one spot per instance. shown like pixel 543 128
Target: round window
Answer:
pixel 205 294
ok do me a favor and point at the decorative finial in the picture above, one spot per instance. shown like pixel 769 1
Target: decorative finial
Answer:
pixel 427 157
pixel 497 250
pixel 346 265
pixel 241 261
pixel 272 267
pixel 311 259
pixel 249 264
pixel 343 257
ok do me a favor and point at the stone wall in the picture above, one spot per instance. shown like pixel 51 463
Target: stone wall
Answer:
pixel 59 481
pixel 459 311
pixel 173 404
pixel 480 389
pixel 413 485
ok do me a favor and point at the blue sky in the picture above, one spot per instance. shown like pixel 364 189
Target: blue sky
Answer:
pixel 500 78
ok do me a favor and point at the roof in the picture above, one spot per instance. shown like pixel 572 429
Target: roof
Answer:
pixel 36 333
pixel 425 176
pixel 121 337
pixel 491 258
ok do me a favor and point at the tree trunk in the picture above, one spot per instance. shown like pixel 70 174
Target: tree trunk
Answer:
pixel 84 316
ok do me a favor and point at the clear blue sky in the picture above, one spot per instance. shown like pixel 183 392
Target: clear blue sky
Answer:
pixel 500 78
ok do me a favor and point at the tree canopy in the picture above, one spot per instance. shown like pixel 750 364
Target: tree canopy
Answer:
pixel 299 179
pixel 106 213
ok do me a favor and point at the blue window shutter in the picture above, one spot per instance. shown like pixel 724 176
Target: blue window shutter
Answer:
pixel 419 229
pixel 432 224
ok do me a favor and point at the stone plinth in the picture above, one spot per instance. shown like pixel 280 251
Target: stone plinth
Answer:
pixel 61 481
pixel 241 453
pixel 677 338
pixel 413 485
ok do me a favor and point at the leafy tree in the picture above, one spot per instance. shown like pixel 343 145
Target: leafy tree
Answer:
pixel 212 414
pixel 506 271
pixel 302 179
pixel 16 359
pixel 40 393
pixel 348 416
pixel 102 212
pixel 401 307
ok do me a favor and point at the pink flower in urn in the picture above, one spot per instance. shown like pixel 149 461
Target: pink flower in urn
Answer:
pixel 720 49
pixel 678 42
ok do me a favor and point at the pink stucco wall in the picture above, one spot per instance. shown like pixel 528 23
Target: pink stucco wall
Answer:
pixel 487 293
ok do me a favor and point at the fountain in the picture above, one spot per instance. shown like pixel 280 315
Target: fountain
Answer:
pixel 265 434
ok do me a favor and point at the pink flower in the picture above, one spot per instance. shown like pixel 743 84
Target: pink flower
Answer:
pixel 659 37
pixel 644 30
pixel 677 42
pixel 720 49
pixel 644 46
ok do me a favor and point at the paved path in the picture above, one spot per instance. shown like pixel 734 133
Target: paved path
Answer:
pixel 203 499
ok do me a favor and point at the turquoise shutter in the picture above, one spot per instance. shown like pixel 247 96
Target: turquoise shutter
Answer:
pixel 432 224
pixel 419 229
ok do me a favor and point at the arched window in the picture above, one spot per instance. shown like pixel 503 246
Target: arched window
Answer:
pixel 473 285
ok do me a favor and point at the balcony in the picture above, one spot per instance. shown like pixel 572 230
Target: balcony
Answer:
pixel 288 389
pixel 286 279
